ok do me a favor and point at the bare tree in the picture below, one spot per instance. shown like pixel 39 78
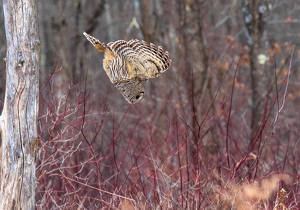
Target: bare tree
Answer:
pixel 195 60
pixel 254 12
pixel 19 116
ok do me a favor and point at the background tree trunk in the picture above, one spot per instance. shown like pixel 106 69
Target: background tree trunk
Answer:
pixel 19 117
pixel 195 63
pixel 253 12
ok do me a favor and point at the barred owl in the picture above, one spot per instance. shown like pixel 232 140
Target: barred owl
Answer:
pixel 129 63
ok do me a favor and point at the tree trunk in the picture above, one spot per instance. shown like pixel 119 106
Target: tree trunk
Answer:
pixel 195 64
pixel 18 121
pixel 253 12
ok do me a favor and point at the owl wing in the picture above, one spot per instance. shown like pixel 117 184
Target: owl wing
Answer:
pixel 150 61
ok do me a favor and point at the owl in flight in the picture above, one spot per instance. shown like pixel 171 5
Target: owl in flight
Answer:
pixel 129 63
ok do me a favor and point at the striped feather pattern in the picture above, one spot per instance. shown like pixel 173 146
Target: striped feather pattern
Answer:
pixel 95 42
pixel 117 70
pixel 150 59
pixel 127 64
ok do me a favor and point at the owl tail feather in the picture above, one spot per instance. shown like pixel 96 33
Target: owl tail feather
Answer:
pixel 97 44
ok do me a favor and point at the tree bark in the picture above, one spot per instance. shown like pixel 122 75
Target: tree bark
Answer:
pixel 253 12
pixel 195 63
pixel 20 112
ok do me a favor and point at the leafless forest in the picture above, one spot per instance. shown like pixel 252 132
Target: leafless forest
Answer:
pixel 218 130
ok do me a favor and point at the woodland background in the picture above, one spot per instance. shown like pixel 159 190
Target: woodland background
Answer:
pixel 210 132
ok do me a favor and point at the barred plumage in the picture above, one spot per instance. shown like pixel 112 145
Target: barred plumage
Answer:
pixel 129 63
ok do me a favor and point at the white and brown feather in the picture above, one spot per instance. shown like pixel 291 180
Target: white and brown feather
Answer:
pixel 150 60
pixel 129 63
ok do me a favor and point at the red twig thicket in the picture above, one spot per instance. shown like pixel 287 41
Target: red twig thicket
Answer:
pixel 94 154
